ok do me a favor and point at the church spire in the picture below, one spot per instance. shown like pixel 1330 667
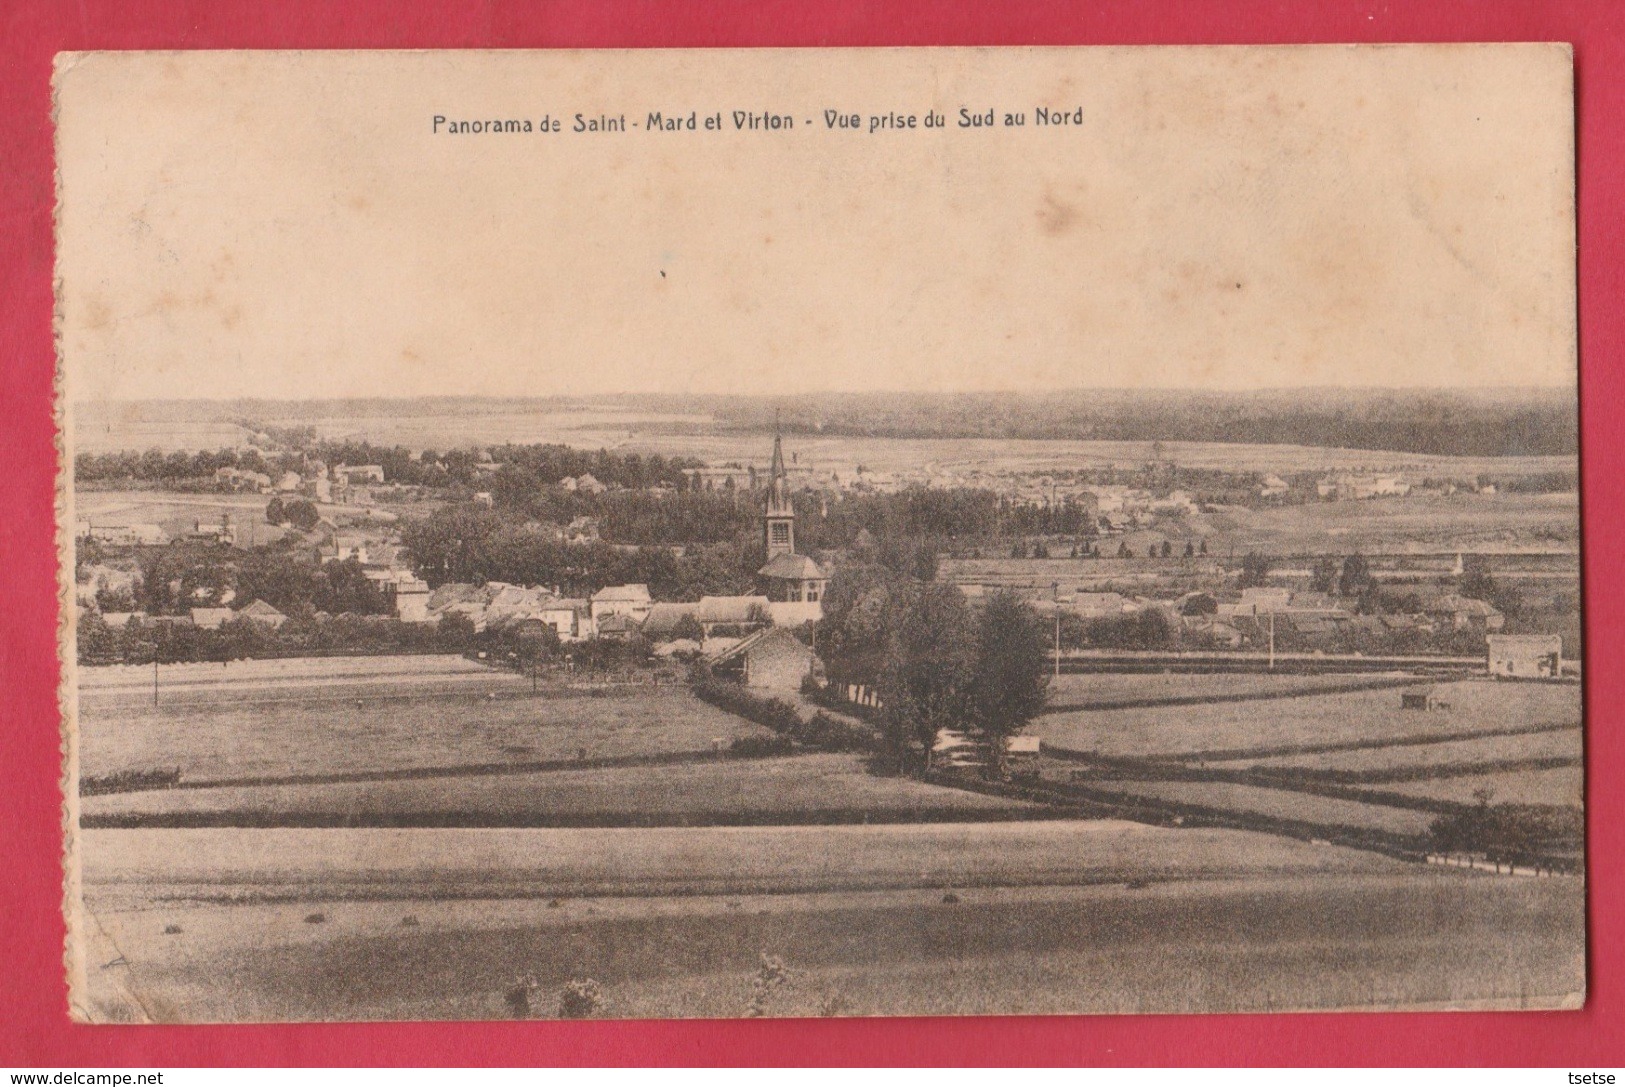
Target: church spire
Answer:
pixel 779 519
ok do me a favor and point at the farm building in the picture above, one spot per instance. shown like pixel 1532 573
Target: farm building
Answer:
pixel 264 614
pixel 1525 656
pixel 618 627
pixel 1466 613
pixel 772 659
pixel 1428 699
pixel 211 618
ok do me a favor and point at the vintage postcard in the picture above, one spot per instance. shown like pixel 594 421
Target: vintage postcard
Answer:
pixel 819 532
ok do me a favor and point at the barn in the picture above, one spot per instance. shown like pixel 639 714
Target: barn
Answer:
pixel 773 659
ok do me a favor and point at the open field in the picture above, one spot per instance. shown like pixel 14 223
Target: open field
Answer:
pixel 1074 690
pixel 117 691
pixel 450 723
pixel 178 514
pixel 1273 804
pixel 697 792
pixel 1561 786
pixel 1400 760
pixel 329 864
pixel 1236 729
pixel 441 424
pixel 1420 523
pixel 1120 918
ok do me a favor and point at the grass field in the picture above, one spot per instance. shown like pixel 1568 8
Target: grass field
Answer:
pixel 263 729
pixel 1565 744
pixel 1425 523
pixel 1274 804
pixel 795 789
pixel 178 514
pixel 1561 786
pixel 1077 689
pixel 1233 729
pixel 1211 920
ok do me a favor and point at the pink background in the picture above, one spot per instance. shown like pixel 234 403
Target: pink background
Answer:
pixel 34 1028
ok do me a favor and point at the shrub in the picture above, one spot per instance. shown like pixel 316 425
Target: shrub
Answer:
pixel 771 976
pixel 1510 833
pixel 773 713
pixel 823 731
pixel 760 747
pixel 833 734
pixel 126 781
pixel 581 998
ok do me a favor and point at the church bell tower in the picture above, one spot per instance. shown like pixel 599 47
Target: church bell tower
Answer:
pixel 779 520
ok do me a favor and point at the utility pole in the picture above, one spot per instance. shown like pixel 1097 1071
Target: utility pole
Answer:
pixel 155 677
pixel 1272 639
pixel 1055 587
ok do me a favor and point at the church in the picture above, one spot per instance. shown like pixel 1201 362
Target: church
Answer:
pixel 793 583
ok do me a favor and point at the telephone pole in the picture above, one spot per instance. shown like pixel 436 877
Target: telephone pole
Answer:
pixel 1055 588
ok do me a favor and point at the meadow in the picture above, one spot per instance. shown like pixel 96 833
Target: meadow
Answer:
pixel 179 514
pixel 1231 730
pixel 1258 805
pixel 1398 762
pixel 702 790
pixel 313 730
pixel 1561 786
pixel 1488 524
pixel 1072 690
pixel 1135 919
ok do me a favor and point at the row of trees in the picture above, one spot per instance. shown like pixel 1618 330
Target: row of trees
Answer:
pixel 934 662
pixel 187 574
pixel 142 642
pixel 475 544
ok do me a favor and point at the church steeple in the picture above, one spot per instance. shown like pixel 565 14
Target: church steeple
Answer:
pixel 779 520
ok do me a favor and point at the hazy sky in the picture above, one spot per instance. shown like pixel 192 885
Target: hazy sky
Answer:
pixel 290 225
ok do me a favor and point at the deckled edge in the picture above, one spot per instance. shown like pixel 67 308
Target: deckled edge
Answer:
pixel 67 656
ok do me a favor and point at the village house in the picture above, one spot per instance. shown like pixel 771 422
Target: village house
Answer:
pixel 211 618
pixel 732 611
pixel 628 600
pixel 406 594
pixel 1346 487
pixel 221 531
pixel 263 614
pixel 136 535
pixel 570 618
pixel 359 473
pixel 1459 612
pixel 770 659
pixel 664 620
pixel 1525 656
pixel 241 480
pixel 585 483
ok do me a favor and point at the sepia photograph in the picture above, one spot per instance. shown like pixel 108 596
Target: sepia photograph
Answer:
pixel 821 532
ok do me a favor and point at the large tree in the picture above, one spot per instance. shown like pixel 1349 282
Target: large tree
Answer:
pixel 851 637
pixel 1010 674
pixel 1255 570
pixel 930 649
pixel 1355 581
